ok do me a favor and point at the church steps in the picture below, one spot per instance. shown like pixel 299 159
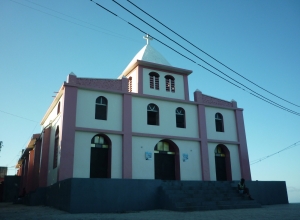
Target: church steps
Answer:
pixel 206 195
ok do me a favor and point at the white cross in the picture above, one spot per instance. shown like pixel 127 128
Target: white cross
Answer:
pixel 148 38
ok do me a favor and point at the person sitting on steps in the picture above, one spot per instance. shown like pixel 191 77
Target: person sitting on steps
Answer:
pixel 243 189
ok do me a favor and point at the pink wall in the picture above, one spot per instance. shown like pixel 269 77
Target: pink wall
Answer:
pixel 20 173
pixel 29 185
pixel 36 166
pixel 186 88
pixel 25 171
pixel 243 150
pixel 203 135
pixel 68 123
pixel 140 80
pixel 44 157
pixel 127 137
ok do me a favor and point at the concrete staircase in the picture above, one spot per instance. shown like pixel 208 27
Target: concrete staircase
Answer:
pixel 203 195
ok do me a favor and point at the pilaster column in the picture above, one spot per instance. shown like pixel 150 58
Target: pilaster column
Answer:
pixel 127 137
pixel 140 80
pixel 67 135
pixel 203 136
pixel 36 166
pixel 43 175
pixel 243 150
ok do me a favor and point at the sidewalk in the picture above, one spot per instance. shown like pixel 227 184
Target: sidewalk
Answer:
pixel 9 211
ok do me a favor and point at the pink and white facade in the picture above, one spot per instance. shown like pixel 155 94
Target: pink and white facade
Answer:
pixel 146 125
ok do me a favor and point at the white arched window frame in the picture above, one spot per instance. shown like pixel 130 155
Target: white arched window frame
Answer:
pixel 180 118
pixel 101 108
pixel 219 122
pixel 152 114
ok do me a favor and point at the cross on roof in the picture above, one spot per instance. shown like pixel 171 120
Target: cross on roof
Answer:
pixel 148 38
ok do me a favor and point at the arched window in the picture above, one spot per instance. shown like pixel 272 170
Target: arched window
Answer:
pixel 219 122
pixel 130 84
pixel 154 80
pixel 58 108
pixel 180 118
pixel 99 141
pixel 170 83
pixel 56 141
pixel 152 114
pixel 101 108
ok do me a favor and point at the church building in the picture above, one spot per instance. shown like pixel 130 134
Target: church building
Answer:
pixel 142 125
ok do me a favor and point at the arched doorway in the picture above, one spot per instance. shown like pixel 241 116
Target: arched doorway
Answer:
pixel 222 163
pixel 166 161
pixel 100 161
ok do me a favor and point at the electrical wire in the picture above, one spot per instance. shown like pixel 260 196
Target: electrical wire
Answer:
pixel 262 97
pixel 209 54
pixel 289 110
pixel 18 116
pixel 17 155
pixel 266 157
pixel 114 33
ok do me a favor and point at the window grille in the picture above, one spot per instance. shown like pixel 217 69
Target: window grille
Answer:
pixel 101 108
pixel 219 122
pixel 180 118
pixel 152 114
pixel 154 80
pixel 170 83
pixel 130 84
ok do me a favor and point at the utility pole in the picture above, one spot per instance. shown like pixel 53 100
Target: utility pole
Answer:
pixel 1 145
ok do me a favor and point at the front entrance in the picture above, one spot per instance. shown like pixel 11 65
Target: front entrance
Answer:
pixel 99 163
pixel 100 157
pixel 164 166
pixel 222 163
pixel 166 161
pixel 221 168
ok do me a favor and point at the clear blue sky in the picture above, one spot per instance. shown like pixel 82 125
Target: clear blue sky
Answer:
pixel 42 41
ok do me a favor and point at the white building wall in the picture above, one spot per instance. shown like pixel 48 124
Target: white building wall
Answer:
pixel 191 168
pixel 234 160
pixel 230 131
pixel 53 114
pixel 144 169
pixel 167 118
pixel 82 154
pixel 52 173
pixel 85 112
pixel 53 120
pixel 179 85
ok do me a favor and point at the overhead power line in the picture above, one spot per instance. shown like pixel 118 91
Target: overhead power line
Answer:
pixel 257 95
pixel 268 100
pixel 18 116
pixel 266 157
pixel 84 26
pixel 209 54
